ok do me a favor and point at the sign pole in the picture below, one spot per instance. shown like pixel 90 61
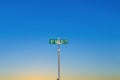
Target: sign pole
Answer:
pixel 58 61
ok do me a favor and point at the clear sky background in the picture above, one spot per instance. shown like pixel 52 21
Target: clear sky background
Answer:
pixel 91 26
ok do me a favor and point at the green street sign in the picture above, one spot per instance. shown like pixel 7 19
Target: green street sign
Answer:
pixel 58 41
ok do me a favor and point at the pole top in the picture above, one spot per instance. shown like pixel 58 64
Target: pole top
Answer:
pixel 58 41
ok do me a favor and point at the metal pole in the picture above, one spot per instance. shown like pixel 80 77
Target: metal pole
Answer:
pixel 58 62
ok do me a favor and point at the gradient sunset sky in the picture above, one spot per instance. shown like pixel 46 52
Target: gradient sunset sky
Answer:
pixel 91 26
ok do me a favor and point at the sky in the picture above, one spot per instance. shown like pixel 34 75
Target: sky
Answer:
pixel 92 28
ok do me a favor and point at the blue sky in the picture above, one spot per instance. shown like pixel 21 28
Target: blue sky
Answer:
pixel 92 28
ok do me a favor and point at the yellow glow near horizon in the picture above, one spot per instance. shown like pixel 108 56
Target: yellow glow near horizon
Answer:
pixel 27 77
pixel 52 77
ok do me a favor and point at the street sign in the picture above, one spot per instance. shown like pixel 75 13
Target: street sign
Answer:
pixel 58 41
